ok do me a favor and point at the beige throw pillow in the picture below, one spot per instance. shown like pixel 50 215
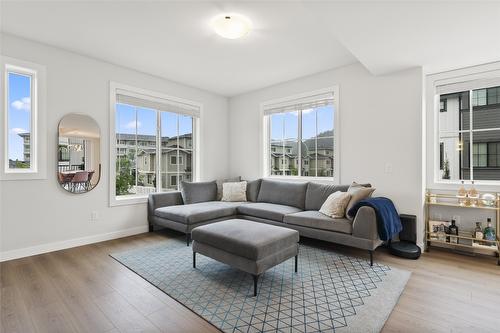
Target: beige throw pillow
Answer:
pixel 334 206
pixel 358 192
pixel 222 181
pixel 234 191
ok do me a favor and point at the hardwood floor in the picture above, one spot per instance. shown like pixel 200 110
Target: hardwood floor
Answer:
pixel 84 290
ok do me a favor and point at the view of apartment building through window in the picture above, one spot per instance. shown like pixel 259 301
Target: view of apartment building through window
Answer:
pixel 470 141
pixel 19 84
pixel 142 136
pixel 302 141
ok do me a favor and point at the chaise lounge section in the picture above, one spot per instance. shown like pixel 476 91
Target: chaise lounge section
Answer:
pixel 288 204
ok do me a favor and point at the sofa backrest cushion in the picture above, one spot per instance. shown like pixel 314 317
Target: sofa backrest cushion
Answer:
pixel 253 188
pixel 283 193
pixel 198 192
pixel 317 194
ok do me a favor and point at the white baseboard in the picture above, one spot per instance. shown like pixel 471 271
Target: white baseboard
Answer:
pixel 61 245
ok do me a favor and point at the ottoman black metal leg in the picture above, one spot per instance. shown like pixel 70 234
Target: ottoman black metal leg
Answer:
pixel 255 280
pixel 371 258
pixel 188 239
pixel 194 259
pixel 296 262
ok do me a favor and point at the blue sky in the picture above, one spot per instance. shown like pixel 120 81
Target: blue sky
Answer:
pixel 146 121
pixel 19 108
pixel 325 123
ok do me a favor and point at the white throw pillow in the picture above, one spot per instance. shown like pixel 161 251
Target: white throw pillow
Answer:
pixel 234 191
pixel 335 205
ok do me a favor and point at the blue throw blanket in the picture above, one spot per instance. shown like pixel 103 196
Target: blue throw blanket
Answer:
pixel 388 221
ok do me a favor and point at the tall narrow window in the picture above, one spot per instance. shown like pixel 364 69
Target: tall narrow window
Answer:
pixel 20 119
pixel 301 136
pixel 154 144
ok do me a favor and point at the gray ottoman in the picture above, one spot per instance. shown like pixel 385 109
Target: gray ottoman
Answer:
pixel 252 247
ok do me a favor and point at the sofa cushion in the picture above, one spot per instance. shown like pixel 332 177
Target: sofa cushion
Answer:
pixel 198 212
pixel 317 194
pixel 266 210
pixel 316 220
pixel 248 239
pixel 253 188
pixel 198 192
pixel 234 192
pixel 283 193
pixel 220 182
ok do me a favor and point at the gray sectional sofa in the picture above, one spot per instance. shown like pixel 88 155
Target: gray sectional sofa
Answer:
pixel 288 204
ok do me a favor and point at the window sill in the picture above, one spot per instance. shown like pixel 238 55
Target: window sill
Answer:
pixel 330 180
pixel 128 200
pixel 483 186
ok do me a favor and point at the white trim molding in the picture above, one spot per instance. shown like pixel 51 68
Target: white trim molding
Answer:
pixel 193 109
pixel 442 83
pixel 66 244
pixel 38 131
pixel 307 97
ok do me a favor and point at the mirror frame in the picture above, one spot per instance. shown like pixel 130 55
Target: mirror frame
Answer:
pixel 99 171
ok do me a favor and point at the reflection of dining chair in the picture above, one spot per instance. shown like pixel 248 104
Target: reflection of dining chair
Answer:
pixel 64 179
pixel 79 181
pixel 88 185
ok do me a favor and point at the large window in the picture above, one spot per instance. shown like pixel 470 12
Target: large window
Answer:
pixel 21 106
pixel 154 145
pixel 469 131
pixel 301 136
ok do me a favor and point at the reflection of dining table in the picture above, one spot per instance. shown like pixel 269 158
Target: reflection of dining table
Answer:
pixel 75 180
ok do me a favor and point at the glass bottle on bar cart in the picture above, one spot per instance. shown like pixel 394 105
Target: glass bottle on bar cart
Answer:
pixel 478 233
pixel 489 231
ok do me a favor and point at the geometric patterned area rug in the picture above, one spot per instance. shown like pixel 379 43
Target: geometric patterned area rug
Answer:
pixel 330 293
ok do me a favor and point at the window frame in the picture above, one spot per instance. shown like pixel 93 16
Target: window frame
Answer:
pixel 196 142
pixel 265 131
pixel 489 71
pixel 38 131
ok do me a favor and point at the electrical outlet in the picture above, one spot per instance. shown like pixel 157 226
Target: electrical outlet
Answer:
pixel 94 216
pixel 388 168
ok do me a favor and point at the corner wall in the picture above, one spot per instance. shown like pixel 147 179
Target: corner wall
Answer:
pixel 380 129
pixel 37 215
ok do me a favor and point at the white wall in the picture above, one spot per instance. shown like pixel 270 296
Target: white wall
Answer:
pixel 380 124
pixel 37 215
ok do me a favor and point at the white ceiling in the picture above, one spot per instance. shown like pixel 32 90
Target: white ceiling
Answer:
pixel 289 40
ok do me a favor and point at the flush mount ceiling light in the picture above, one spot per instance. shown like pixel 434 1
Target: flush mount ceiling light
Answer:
pixel 231 26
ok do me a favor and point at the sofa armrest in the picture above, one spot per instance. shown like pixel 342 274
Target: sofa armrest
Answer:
pixel 365 224
pixel 162 199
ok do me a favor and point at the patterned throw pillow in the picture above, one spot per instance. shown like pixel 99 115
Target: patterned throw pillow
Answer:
pixel 234 192
pixel 335 205
pixel 222 181
pixel 358 192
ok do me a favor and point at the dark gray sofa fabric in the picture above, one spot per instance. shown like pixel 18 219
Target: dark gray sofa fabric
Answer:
pixel 220 182
pixel 316 194
pixel 255 267
pixel 283 193
pixel 163 199
pixel 198 212
pixel 266 210
pixel 198 192
pixel 316 220
pixel 253 188
pixel 246 239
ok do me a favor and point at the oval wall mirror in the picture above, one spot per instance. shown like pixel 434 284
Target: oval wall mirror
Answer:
pixel 79 155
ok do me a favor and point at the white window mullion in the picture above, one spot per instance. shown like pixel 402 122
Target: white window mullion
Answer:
pixel 178 154
pixel 158 151
pixel 471 143
pixel 136 148
pixel 282 162
pixel 316 142
pixel 299 143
